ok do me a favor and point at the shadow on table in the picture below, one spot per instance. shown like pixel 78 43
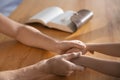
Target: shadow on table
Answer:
pixel 103 32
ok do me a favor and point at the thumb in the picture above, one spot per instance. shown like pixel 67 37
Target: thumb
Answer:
pixel 71 55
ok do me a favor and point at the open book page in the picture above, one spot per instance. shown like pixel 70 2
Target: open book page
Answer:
pixel 46 15
pixel 63 22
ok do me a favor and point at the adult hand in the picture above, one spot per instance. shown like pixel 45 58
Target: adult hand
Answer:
pixel 57 65
pixel 72 45
pixel 61 65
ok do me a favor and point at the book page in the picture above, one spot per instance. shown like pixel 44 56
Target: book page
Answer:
pixel 63 22
pixel 46 15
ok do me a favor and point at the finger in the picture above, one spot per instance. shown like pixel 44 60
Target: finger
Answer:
pixel 73 50
pixel 79 68
pixel 80 44
pixel 75 67
pixel 71 55
pixel 84 51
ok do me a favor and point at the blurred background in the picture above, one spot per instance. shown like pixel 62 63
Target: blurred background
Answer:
pixel 7 6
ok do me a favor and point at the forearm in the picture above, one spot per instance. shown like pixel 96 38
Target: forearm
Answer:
pixel 27 73
pixel 7 75
pixel 20 74
pixel 33 37
pixel 105 48
pixel 8 26
pixel 103 66
pixel 26 34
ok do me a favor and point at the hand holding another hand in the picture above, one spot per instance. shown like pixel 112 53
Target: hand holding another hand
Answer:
pixel 61 65
pixel 70 46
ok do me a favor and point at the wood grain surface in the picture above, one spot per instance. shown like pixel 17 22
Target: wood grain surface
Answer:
pixel 104 27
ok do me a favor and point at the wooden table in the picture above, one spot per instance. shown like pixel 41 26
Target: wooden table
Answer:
pixel 104 27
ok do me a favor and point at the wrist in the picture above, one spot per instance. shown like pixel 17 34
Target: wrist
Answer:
pixel 49 43
pixel 56 46
pixel 80 61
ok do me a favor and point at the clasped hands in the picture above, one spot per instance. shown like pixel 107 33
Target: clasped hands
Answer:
pixel 61 64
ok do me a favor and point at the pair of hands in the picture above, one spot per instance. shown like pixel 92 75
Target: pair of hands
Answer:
pixel 64 47
pixel 60 64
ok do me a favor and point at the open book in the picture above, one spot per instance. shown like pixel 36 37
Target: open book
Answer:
pixel 55 17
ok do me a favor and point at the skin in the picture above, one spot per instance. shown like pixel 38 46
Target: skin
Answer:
pixel 105 48
pixel 44 68
pixel 108 67
pixel 17 31
pixel 30 36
